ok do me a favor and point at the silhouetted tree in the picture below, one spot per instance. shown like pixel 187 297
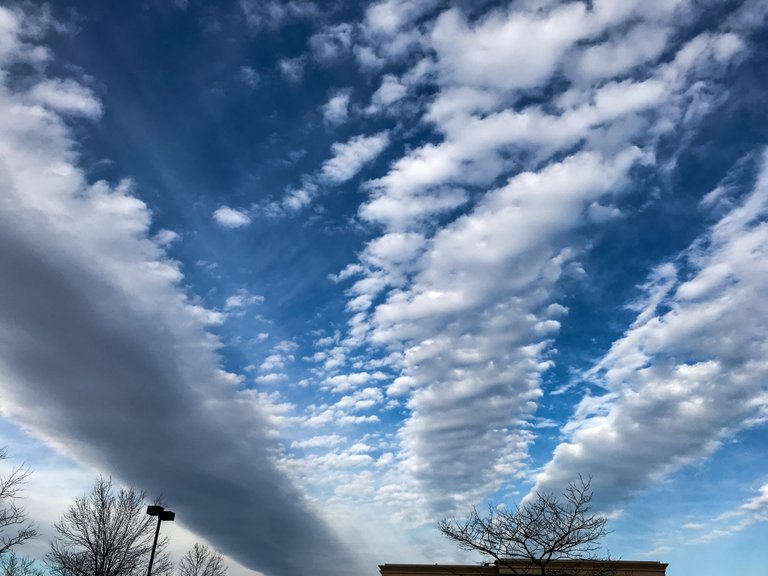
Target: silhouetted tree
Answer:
pixel 107 533
pixel 200 560
pixel 15 527
pixel 544 529
pixel 13 565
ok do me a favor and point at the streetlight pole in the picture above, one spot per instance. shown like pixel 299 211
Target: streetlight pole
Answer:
pixel 162 514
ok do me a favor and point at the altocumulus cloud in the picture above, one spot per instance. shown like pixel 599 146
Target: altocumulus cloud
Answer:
pixel 230 217
pixel 105 358
pixel 469 310
pixel 680 382
pixel 350 157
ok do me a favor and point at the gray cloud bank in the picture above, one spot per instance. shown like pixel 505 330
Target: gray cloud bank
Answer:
pixel 104 357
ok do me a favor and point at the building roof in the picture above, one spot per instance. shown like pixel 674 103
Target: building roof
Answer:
pixel 559 567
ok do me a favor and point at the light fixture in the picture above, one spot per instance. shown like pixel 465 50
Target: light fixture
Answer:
pixel 162 514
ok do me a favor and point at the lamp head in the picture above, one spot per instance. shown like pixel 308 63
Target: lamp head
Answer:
pixel 167 516
pixel 155 510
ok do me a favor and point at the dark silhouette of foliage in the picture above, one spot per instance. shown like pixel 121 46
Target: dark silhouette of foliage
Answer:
pixel 200 560
pixel 107 533
pixel 537 533
pixel 15 527
pixel 13 565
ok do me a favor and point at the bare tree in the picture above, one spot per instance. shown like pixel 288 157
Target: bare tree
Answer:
pixel 15 527
pixel 536 534
pixel 13 565
pixel 106 533
pixel 200 560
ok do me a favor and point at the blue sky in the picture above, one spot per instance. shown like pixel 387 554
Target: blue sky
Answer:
pixel 324 273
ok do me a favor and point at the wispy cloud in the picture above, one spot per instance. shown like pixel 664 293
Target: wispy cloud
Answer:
pixel 689 373
pixel 351 156
pixel 336 110
pixel 390 91
pixel 259 14
pixel 332 43
pixel 249 76
pixel 292 69
pixel 66 97
pixel 240 301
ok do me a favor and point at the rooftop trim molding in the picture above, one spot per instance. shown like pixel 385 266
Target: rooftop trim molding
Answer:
pixel 524 567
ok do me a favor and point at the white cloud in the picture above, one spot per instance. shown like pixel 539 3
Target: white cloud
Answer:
pixel 758 506
pixel 345 382
pixel 477 149
pixel 361 400
pixel 331 43
pixel 401 386
pixel 326 441
pixel 347 420
pixel 249 76
pixel 618 56
pixel 295 198
pixel 338 417
pixel 387 259
pixel 388 17
pixel 481 239
pixel 272 362
pixel 272 14
pixel 351 156
pixel 231 218
pixel 346 460
pixel 14 45
pixel 271 378
pixel 393 250
pixel 752 511
pixel 470 344
pixel 497 52
pixel 270 407
pixel 423 182
pixel 292 69
pixel 390 91
pixel 66 97
pixel 400 211
pixel 680 381
pixel 388 31
pixel 242 299
pixel 460 341
pixel 166 237
pixel 693 526
pixel 336 110
pixel 367 57
pixel 285 347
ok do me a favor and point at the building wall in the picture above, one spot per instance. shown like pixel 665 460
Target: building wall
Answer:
pixel 558 567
